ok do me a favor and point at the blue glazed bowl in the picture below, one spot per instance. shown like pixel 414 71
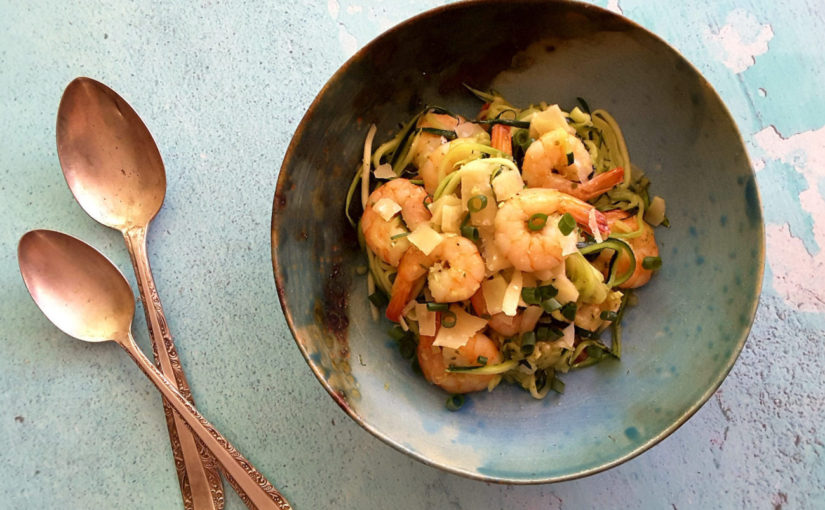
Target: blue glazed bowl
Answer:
pixel 693 318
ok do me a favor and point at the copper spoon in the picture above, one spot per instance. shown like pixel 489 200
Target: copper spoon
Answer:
pixel 115 172
pixel 87 297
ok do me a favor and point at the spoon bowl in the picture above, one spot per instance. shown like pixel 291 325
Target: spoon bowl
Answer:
pixel 109 158
pixel 77 288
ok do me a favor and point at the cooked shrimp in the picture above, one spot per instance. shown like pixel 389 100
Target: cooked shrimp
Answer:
pixel 601 183
pixel 434 362
pixel 643 245
pixel 538 250
pixel 550 153
pixel 454 271
pixel 379 233
pixel 499 322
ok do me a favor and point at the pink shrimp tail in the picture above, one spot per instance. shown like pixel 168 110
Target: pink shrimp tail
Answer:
pixel 401 290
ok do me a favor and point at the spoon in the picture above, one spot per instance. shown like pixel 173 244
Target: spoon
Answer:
pixel 115 172
pixel 87 297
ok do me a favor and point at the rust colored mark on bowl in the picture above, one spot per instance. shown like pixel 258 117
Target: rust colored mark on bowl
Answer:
pixel 336 297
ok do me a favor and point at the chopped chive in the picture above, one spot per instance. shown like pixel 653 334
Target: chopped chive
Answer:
pixel 477 203
pixel 454 402
pixel 448 319
pixel 407 348
pixel 557 385
pixel 537 221
pixel 379 299
pixel 569 311
pixel 530 295
pixel 548 333
pixel 652 263
pixel 550 305
pixel 399 236
pixel 482 360
pixel 608 315
pixel 548 291
pixel 470 232
pixel 566 224
pixel 449 135
pixel 437 307
pixel 396 333
pixel 507 122
pixel 570 158
pixel 528 342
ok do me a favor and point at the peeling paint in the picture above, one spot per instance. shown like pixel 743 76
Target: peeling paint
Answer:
pixel 797 271
pixel 740 40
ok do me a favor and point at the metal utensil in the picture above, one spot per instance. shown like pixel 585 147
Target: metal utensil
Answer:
pixel 87 297
pixel 115 172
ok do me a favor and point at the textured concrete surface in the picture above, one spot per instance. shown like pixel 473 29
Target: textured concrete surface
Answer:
pixel 222 87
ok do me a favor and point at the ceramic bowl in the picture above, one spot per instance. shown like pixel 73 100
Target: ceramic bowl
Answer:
pixel 693 318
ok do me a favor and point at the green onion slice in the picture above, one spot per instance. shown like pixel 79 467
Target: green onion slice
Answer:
pixel 399 236
pixel 454 402
pixel 470 232
pixel 477 203
pixel 531 295
pixel 550 305
pixel 448 319
pixel 379 299
pixel 652 263
pixel 507 122
pixel 449 135
pixel 608 315
pixel 499 368
pixel 569 311
pixel 566 224
pixel 528 342
pixel 437 307
pixel 537 221
pixel 548 291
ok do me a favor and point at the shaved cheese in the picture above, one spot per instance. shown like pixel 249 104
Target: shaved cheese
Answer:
pixel 426 320
pixel 527 280
pixel 425 238
pixel 567 290
pixel 384 171
pixel 451 217
pixel 568 337
pixel 594 226
pixel 493 291
pixel 655 214
pixel 466 326
pixel 529 318
pixel 509 304
pixel 548 120
pixel 507 184
pixel 494 259
pixel 568 243
pixel 386 208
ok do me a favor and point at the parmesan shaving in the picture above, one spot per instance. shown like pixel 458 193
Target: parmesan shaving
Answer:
pixel 594 226
pixel 426 320
pixel 506 184
pixel 386 208
pixel 365 168
pixel 384 171
pixel 509 304
pixel 425 238
pixel 493 291
pixel 568 337
pixel 466 326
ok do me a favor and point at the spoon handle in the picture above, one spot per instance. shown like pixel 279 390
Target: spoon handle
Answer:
pixel 255 490
pixel 198 476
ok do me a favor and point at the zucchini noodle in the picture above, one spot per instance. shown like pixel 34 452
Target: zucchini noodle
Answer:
pixel 529 313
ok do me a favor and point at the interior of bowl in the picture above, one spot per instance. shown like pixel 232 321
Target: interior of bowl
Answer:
pixel 692 320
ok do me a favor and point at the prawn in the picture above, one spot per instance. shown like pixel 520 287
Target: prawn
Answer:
pixel 643 246
pixel 454 271
pixel 499 322
pixel 434 362
pixel 380 234
pixel 553 152
pixel 537 250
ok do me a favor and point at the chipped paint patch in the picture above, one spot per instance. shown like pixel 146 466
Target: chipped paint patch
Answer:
pixel 613 5
pixel 348 42
pixel 740 40
pixel 797 271
pixel 333 7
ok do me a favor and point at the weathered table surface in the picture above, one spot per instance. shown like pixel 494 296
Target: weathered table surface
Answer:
pixel 222 86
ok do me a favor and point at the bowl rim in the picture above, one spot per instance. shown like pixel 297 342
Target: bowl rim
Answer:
pixel 341 401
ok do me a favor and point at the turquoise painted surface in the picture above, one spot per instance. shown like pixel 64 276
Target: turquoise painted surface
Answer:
pixel 222 88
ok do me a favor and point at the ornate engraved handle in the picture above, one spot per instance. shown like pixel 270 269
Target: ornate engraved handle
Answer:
pixel 254 489
pixel 200 482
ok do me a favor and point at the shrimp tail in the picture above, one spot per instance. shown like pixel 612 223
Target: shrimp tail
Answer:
pixel 599 184
pixel 501 138
pixel 401 290
pixel 412 267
